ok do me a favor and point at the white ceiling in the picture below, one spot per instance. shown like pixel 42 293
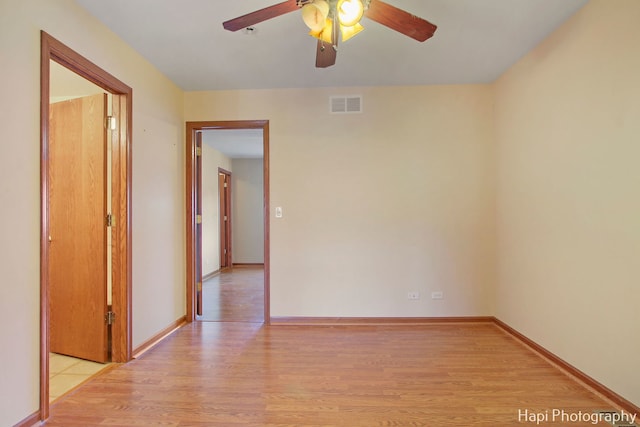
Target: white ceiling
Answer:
pixel 476 41
pixel 235 143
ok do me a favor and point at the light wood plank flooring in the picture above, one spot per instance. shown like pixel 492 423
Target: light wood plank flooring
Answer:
pixel 234 295
pixel 247 374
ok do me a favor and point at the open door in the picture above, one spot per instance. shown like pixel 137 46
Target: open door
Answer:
pixel 224 194
pixel 53 51
pixel 77 228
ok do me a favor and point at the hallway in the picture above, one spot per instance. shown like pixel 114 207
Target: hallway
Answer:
pixel 234 295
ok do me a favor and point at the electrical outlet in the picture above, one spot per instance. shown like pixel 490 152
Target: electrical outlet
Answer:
pixel 413 295
pixel 437 295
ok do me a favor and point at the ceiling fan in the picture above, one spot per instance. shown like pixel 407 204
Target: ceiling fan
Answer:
pixel 328 19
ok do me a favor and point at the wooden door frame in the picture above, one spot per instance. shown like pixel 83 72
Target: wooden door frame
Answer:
pixel 53 50
pixel 191 183
pixel 225 224
pixel 198 231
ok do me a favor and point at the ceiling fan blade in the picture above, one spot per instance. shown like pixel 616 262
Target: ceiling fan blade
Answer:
pixel 399 20
pixel 325 55
pixel 253 18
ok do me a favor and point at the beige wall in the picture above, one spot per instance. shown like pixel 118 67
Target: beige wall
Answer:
pixel 64 84
pixel 568 132
pixel 248 211
pixel 158 189
pixel 397 199
pixel 212 159
pixel 400 198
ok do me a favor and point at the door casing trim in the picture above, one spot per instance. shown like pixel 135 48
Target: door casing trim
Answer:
pixel 53 50
pixel 191 178
pixel 228 257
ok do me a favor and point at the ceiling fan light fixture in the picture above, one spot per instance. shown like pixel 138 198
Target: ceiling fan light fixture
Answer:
pixel 315 14
pixel 328 19
pixel 348 32
pixel 350 12
pixel 324 33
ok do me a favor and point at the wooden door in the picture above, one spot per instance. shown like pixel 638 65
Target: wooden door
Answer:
pixel 224 192
pixel 77 240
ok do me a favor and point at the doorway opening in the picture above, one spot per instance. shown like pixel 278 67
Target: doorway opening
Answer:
pixel 195 217
pixel 67 175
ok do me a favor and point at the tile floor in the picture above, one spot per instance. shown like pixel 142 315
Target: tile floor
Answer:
pixel 66 373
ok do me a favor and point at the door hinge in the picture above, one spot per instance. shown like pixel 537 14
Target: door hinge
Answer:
pixel 110 317
pixel 110 220
pixel 199 285
pixel 198 151
pixel 225 185
pixel 198 219
pixel 225 218
pixel 111 123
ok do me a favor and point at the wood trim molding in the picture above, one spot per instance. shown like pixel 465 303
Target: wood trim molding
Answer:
pixel 46 52
pixel 570 370
pixel 210 275
pixel 225 195
pixel 157 338
pixel 344 321
pixel 121 202
pixel 190 191
pixel 190 196
pixel 30 420
pixel 53 50
pixel 267 227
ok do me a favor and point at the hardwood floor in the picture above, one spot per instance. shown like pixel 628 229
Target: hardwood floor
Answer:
pixel 234 295
pixel 248 374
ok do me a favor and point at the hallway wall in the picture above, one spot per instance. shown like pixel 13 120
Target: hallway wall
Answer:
pixel 567 134
pixel 399 198
pixel 212 159
pixel 247 211
pixel 158 190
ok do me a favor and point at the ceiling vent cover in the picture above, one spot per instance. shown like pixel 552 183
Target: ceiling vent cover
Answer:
pixel 345 104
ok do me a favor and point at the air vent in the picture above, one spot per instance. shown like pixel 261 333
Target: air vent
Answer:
pixel 345 104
